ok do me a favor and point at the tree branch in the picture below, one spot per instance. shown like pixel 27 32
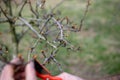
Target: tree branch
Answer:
pixel 84 16
pixel 39 35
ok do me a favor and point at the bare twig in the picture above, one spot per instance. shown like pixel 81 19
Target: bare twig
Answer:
pixel 12 28
pixel 52 10
pixel 60 27
pixel 31 8
pixel 58 64
pixel 25 2
pixel 5 14
pixel 85 13
pixel 10 7
pixel 44 24
pixel 40 4
pixel 39 35
pixel 3 20
pixel 51 56
pixel 24 31
pixel 32 49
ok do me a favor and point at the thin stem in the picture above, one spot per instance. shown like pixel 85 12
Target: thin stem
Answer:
pixel 60 27
pixel 3 20
pixel 5 15
pixel 39 35
pixel 10 7
pixel 31 8
pixel 12 29
pixel 85 14
pixel 45 24
pixel 15 39
pixel 57 5
pixel 32 49
pixel 22 8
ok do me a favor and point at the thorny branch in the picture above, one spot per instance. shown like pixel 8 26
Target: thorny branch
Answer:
pixel 43 25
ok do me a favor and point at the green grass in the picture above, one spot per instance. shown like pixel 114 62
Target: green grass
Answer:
pixel 105 23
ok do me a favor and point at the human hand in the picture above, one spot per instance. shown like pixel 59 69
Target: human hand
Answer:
pixel 27 73
pixel 67 76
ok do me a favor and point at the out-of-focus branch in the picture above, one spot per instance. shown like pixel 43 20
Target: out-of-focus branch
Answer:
pixel 5 14
pixel 3 20
pixel 39 35
pixel 45 23
pixel 84 16
pixel 24 31
pixel 60 27
pixel 58 64
pixel 20 12
pixel 31 8
pixel 57 5
pixel 31 21
pixel 41 3
pixel 10 7
pixel 12 28
pixel 32 49
pixel 52 57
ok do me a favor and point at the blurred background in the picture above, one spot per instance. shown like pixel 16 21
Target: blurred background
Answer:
pixel 99 39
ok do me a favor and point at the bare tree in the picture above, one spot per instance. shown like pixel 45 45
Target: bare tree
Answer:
pixel 47 27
